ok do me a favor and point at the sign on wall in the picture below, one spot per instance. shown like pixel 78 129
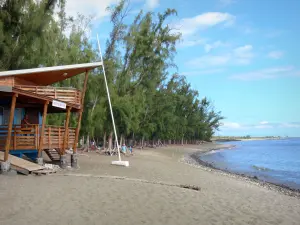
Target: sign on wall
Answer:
pixel 59 104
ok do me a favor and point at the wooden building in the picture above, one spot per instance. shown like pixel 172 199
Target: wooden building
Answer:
pixel 26 98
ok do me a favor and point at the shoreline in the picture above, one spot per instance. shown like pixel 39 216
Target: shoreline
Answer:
pixel 156 186
pixel 193 159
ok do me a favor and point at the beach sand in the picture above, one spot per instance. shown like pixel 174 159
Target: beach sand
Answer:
pixel 148 192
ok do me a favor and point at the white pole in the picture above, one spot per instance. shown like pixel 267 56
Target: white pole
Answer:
pixel 108 96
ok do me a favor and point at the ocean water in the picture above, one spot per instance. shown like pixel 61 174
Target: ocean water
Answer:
pixel 275 161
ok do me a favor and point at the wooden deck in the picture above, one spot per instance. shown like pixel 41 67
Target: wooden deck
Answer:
pixel 63 94
pixel 25 138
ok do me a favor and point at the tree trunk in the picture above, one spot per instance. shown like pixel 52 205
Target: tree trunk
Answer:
pixel 88 142
pixel 110 141
pixel 133 140
pixel 142 143
pixel 82 142
pixel 104 140
pixel 121 139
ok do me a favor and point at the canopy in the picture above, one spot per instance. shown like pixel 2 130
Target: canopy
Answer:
pixel 49 75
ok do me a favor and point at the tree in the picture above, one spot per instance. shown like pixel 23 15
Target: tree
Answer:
pixel 22 29
pixel 148 103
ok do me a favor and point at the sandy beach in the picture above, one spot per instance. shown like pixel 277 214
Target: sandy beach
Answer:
pixel 150 191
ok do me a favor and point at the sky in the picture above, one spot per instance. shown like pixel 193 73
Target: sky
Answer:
pixel 243 55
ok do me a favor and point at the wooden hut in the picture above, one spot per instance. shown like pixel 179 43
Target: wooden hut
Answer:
pixel 26 95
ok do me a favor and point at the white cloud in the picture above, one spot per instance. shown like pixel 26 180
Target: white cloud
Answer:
pixel 239 56
pixel 210 61
pixel 231 125
pixel 275 54
pixel 189 26
pixel 190 43
pixel 261 125
pixel 202 72
pixel 267 73
pixel 290 125
pixel 95 8
pixel 214 45
pixel 152 4
pixel 243 54
pixel 264 122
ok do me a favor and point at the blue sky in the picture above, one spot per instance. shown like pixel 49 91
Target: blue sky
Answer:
pixel 241 54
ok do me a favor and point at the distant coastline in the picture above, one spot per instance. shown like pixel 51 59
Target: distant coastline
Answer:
pixel 244 138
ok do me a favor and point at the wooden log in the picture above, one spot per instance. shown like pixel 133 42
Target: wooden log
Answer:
pixel 10 124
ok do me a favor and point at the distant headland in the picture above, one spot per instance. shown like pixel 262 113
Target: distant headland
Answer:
pixel 244 138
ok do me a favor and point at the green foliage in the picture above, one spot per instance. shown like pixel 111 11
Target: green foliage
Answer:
pixel 147 101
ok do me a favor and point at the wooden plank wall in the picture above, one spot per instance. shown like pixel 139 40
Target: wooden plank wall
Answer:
pixel 13 81
pixel 20 81
pixel 7 81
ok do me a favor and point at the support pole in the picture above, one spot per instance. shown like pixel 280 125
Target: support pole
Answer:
pixel 77 131
pixel 41 142
pixel 65 144
pixel 80 113
pixel 10 123
pixel 63 157
pixel 42 134
pixel 109 102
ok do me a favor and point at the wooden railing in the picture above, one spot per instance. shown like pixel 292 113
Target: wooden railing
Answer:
pixel 23 138
pixel 71 95
pixel 54 137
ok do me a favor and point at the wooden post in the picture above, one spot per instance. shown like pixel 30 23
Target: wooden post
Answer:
pixel 66 129
pixel 59 141
pixel 80 112
pixel 55 95
pixel 10 124
pixel 41 142
pixel 49 137
pixel 15 138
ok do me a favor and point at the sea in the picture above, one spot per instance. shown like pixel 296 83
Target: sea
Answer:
pixel 274 161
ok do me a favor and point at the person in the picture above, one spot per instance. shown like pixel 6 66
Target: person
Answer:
pixel 25 121
pixel 130 149
pixel 26 124
pixel 124 149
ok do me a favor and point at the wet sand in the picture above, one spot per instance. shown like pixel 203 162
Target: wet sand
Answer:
pixel 150 191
